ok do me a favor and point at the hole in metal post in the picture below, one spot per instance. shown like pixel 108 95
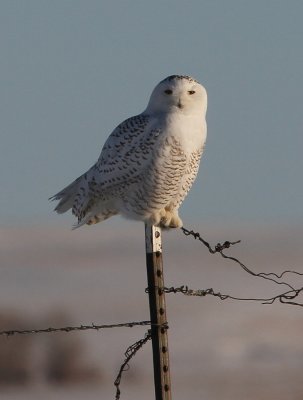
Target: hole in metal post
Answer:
pixel 157 234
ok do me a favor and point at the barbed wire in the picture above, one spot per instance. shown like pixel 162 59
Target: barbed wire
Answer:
pixel 219 248
pixel 75 328
pixel 284 298
pixel 131 351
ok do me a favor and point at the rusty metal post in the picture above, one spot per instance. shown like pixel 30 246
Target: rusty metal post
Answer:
pixel 157 307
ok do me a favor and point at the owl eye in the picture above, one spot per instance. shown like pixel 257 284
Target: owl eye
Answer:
pixel 168 91
pixel 191 92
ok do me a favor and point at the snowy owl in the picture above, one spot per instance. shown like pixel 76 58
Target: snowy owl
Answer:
pixel 148 163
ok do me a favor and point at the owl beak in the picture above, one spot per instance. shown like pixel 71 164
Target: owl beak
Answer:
pixel 180 105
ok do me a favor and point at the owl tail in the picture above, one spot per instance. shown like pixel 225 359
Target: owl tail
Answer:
pixel 87 211
pixel 66 197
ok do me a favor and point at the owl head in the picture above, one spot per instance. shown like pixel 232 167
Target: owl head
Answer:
pixel 178 93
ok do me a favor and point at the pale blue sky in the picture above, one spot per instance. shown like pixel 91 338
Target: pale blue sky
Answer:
pixel 70 71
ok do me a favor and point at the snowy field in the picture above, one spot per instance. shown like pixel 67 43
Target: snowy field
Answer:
pixel 219 349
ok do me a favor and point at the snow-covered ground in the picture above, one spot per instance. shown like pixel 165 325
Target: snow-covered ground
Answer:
pixel 218 349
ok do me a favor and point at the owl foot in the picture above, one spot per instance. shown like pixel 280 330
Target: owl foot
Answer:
pixel 157 217
pixel 175 222
pixel 166 219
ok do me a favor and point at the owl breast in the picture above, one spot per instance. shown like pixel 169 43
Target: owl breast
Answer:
pixel 166 181
pixel 189 131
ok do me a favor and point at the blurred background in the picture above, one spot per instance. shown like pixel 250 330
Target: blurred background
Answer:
pixel 70 71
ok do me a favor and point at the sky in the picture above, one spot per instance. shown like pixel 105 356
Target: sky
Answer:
pixel 71 70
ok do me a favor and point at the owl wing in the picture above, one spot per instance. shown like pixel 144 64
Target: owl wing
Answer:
pixel 127 152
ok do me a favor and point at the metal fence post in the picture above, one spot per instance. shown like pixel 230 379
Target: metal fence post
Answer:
pixel 157 307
